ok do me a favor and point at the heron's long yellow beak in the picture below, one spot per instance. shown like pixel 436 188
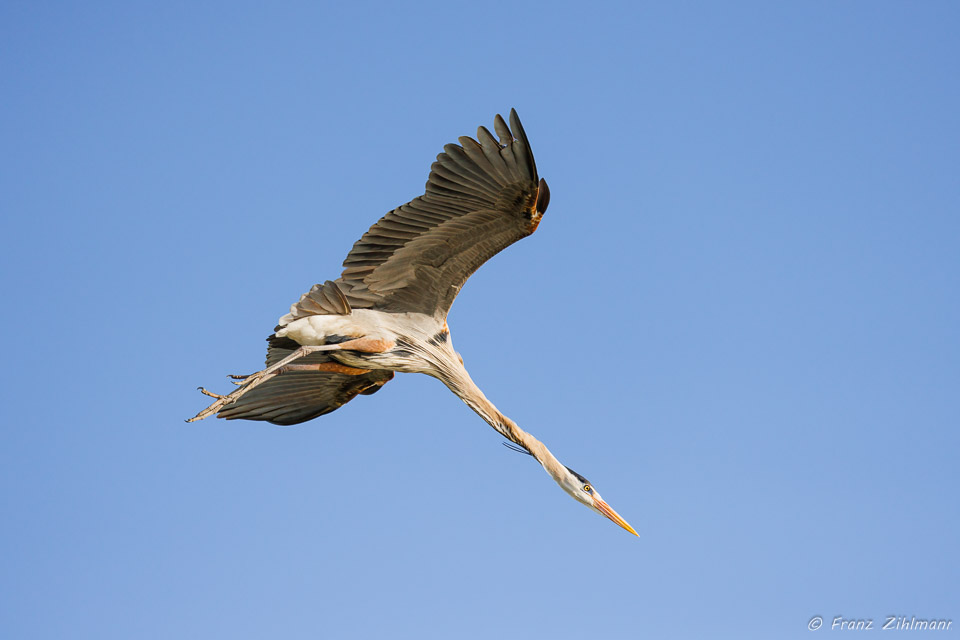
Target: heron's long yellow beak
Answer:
pixel 606 510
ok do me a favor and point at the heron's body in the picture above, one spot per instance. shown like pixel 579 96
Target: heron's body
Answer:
pixel 404 331
pixel 387 311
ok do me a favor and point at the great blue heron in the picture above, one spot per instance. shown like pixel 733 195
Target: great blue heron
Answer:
pixel 387 311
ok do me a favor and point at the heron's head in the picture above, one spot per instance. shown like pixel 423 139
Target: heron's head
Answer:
pixel 582 490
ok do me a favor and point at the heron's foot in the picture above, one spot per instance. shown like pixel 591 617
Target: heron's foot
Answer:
pixel 245 384
pixel 239 380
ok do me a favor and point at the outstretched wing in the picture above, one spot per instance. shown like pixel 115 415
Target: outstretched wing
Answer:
pixel 480 198
pixel 298 396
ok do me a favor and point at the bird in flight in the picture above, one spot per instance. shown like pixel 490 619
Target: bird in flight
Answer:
pixel 388 310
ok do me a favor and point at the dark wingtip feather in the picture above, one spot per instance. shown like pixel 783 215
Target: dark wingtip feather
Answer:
pixel 517 128
pixel 521 137
pixel 485 137
pixel 503 131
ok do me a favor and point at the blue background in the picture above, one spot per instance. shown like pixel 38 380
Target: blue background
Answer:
pixel 738 319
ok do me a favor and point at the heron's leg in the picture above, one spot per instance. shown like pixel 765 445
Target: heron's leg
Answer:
pixel 333 367
pixel 256 379
pixel 366 345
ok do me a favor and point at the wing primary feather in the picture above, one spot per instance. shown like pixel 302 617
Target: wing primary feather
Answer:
pixel 502 130
pixel 457 156
pixel 475 152
pixel 523 149
pixel 459 187
pixel 452 173
pixel 491 149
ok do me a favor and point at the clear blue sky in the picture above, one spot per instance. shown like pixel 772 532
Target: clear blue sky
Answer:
pixel 738 319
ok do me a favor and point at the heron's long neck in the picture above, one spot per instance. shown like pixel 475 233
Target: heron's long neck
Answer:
pixel 459 381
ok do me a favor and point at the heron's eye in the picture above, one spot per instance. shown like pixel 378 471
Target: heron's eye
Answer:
pixel 588 488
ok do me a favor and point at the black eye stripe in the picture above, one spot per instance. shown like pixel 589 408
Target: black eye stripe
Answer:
pixel 578 476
